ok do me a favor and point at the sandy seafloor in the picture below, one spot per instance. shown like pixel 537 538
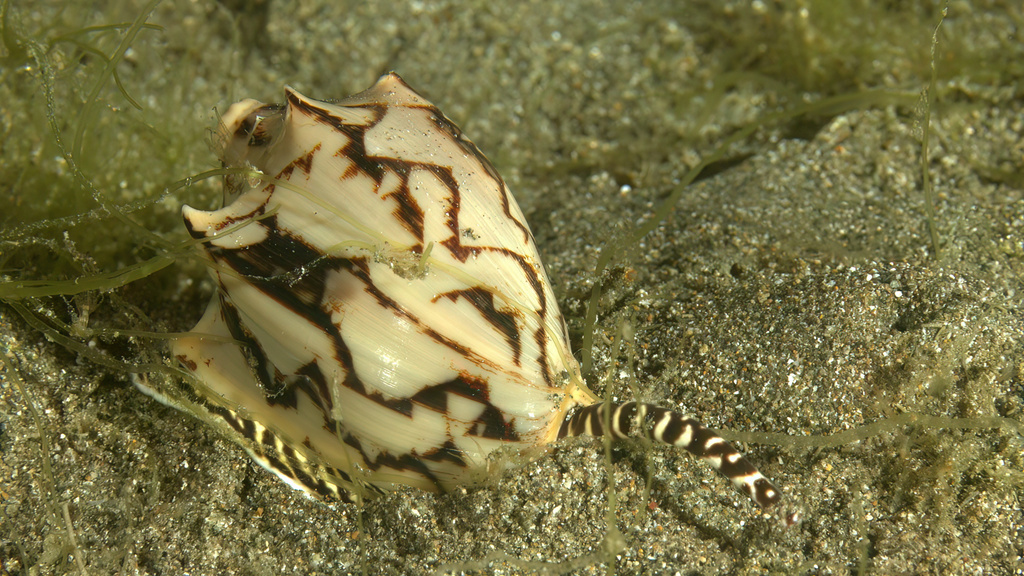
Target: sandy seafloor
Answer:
pixel 793 293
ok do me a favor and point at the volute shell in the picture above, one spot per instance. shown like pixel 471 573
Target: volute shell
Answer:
pixel 380 281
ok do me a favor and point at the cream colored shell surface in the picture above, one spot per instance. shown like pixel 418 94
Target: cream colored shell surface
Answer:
pixel 382 313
